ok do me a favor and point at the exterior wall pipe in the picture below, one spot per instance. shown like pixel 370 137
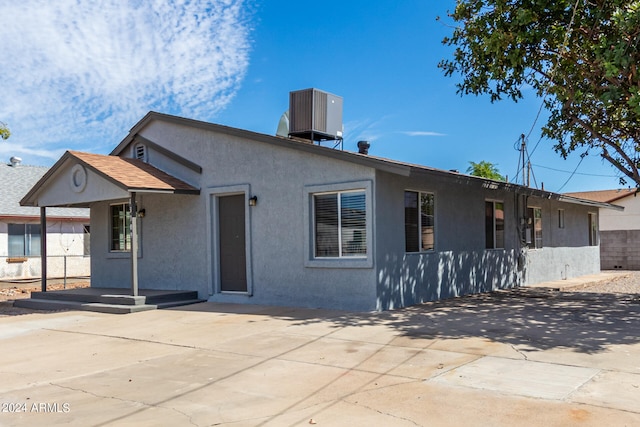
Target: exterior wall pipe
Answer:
pixel 43 247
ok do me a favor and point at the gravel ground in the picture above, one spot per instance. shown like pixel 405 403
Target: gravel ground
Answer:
pixel 625 284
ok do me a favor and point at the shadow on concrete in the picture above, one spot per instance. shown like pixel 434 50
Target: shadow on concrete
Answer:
pixel 532 319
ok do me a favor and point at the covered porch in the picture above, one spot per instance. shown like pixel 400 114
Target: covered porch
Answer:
pixel 82 179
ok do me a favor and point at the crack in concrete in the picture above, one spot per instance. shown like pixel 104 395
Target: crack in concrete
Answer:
pixel 193 347
pixel 384 413
pixel 94 394
pixel 524 356
pixel 148 405
pixel 189 417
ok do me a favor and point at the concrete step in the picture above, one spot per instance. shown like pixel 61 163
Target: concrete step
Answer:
pixel 109 297
pixel 172 296
pixel 53 304
pixel 83 297
pixel 107 300
pixel 170 304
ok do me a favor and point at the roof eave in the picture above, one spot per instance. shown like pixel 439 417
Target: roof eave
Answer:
pixel 585 202
pixel 521 189
pixel 194 191
pixel 50 217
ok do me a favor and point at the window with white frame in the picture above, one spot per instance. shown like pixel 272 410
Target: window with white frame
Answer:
pixel 340 224
pixel 120 227
pixel 534 228
pixel 24 240
pixel 494 224
pixel 419 221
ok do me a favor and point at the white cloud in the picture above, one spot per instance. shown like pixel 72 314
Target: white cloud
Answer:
pixel 79 74
pixel 362 130
pixel 9 150
pixel 422 133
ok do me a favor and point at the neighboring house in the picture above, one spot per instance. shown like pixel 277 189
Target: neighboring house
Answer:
pixel 619 230
pixel 20 231
pixel 244 217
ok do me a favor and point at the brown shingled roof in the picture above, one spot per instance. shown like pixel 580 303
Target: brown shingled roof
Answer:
pixel 133 174
pixel 605 196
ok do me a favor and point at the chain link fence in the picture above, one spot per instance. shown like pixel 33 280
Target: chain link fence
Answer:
pixel 22 269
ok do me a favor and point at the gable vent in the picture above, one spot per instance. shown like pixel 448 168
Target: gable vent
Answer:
pixel 140 152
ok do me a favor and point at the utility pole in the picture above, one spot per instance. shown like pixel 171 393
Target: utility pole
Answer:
pixel 523 149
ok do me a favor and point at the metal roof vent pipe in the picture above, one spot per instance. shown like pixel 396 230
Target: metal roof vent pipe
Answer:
pixel 363 147
pixel 15 161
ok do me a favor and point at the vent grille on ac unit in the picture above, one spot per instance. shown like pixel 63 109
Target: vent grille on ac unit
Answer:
pixel 315 115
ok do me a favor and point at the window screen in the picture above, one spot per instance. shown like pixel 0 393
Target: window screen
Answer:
pixel 340 224
pixel 24 240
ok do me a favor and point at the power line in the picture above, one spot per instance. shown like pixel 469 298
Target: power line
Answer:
pixel 572 173
pixel 575 173
pixel 535 146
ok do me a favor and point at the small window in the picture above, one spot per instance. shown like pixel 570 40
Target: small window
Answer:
pixel 120 228
pixel 534 228
pixel 419 221
pixel 593 229
pixel 340 224
pixel 560 218
pixel 24 240
pixel 494 225
pixel 140 152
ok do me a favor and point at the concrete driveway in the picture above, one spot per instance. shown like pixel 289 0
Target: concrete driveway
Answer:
pixel 525 357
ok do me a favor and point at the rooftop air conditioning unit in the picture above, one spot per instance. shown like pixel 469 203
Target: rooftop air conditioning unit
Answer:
pixel 315 115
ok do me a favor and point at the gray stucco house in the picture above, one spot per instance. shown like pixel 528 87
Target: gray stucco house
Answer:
pixel 245 217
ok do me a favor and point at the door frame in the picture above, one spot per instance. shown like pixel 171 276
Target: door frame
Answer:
pixel 213 240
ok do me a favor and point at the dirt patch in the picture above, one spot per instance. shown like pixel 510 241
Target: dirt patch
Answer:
pixel 9 292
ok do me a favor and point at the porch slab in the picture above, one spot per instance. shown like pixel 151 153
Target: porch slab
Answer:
pixel 107 300
pixel 619 390
pixel 520 377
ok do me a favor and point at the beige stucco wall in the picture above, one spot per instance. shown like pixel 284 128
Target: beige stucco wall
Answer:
pixel 629 219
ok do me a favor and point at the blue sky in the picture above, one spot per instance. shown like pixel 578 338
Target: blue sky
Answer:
pixel 79 76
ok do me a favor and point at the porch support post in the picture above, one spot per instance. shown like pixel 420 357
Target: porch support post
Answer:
pixel 134 244
pixel 43 247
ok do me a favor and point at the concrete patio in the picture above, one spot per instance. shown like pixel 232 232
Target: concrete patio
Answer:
pixel 528 357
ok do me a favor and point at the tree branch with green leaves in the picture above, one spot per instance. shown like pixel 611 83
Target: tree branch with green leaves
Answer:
pixel 485 169
pixel 580 56
pixel 4 131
